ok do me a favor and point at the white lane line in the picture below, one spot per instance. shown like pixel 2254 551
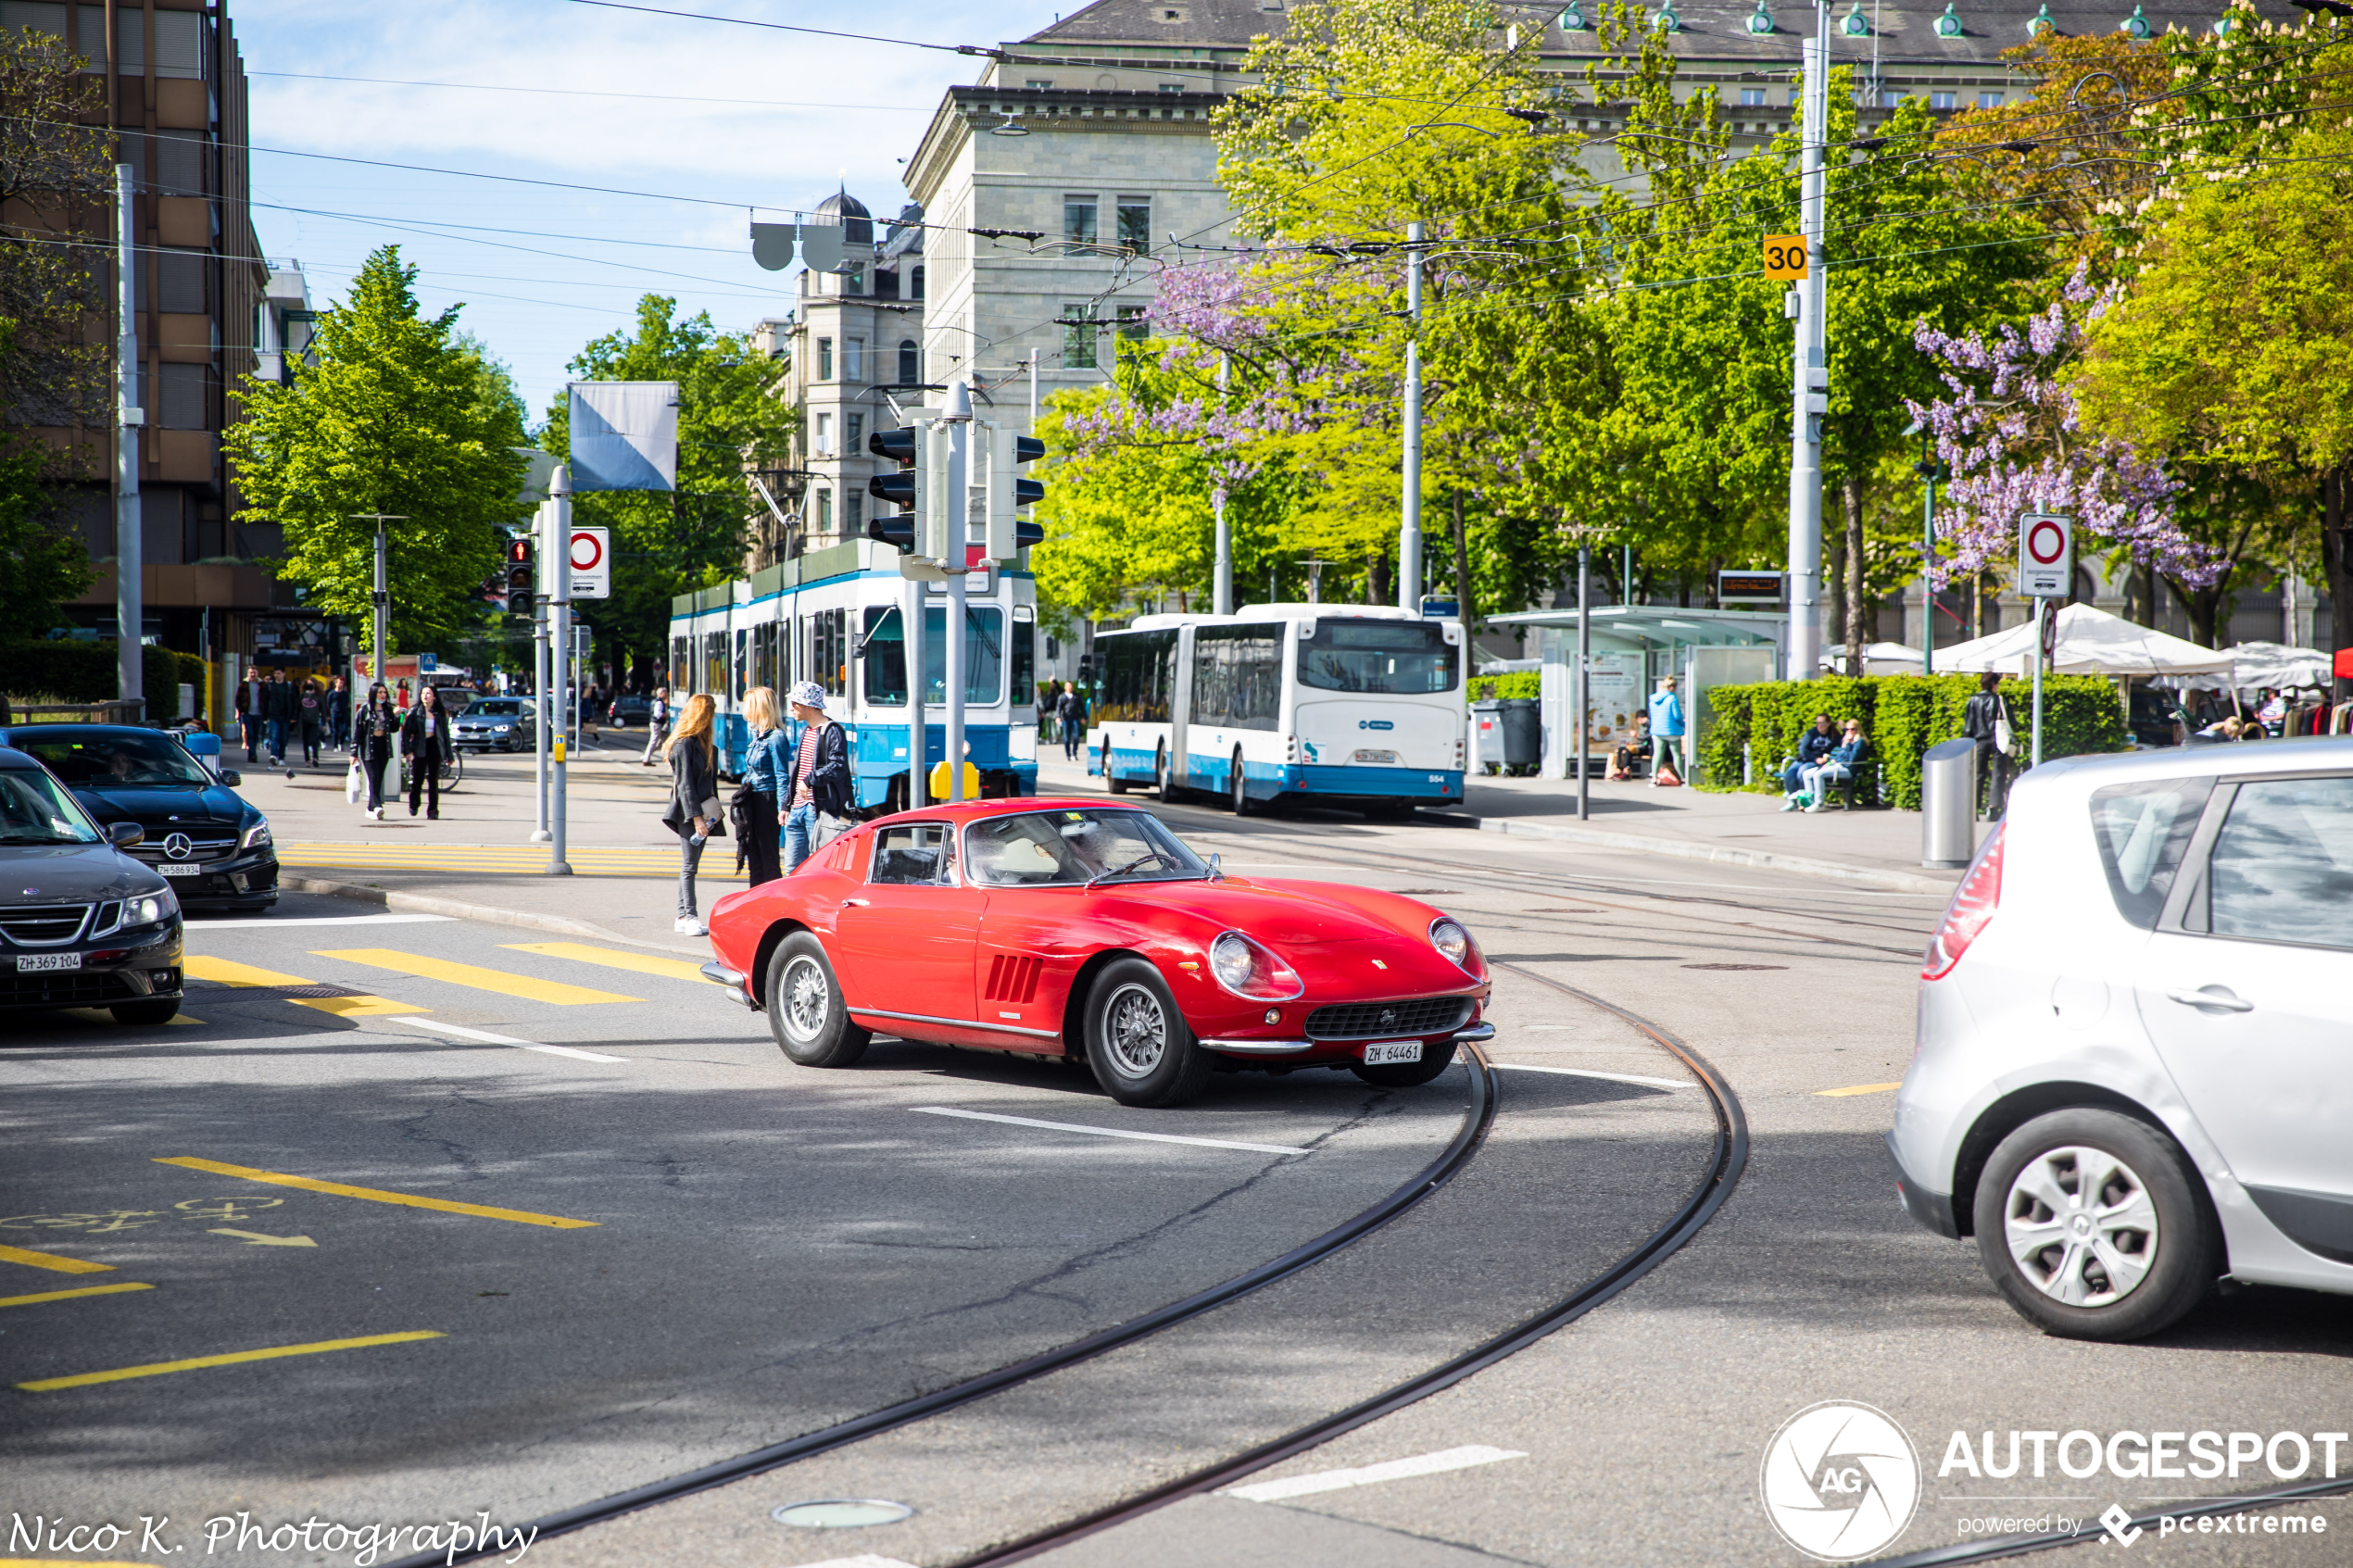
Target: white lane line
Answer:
pixel 1589 1072
pixel 864 1559
pixel 483 1034
pixel 1366 1476
pixel 201 924
pixel 1107 1132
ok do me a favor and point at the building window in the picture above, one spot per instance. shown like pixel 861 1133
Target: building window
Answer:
pixel 853 359
pixel 1989 100
pixel 1940 100
pixel 854 280
pixel 1752 97
pixel 910 363
pixel 1036 85
pixel 917 292
pixel 1132 325
pixel 1136 223
pixel 853 510
pixel 1078 342
pixel 825 510
pixel 1078 220
pixel 853 429
pixel 1172 87
pixel 824 443
pixel 824 358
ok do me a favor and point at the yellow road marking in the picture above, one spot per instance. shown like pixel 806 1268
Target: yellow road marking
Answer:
pixel 157 1369
pixel 70 1294
pixel 612 958
pixel 1859 1089
pixel 228 972
pixel 52 1261
pixel 480 979
pixel 375 1195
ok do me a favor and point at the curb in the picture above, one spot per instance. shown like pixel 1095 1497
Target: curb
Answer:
pixel 458 908
pixel 1893 881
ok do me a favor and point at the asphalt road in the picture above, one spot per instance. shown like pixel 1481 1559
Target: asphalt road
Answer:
pixel 775 1249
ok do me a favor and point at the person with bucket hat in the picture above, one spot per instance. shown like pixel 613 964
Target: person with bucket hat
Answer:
pixel 819 785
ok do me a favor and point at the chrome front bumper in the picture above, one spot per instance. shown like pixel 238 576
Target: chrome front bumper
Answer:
pixel 1475 1035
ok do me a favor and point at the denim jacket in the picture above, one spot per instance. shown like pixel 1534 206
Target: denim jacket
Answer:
pixel 768 763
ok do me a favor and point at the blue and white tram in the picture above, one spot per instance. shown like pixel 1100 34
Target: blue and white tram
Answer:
pixel 1355 704
pixel 837 617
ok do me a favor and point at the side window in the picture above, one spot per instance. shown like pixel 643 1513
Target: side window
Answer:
pixel 2282 865
pixel 919 853
pixel 2142 830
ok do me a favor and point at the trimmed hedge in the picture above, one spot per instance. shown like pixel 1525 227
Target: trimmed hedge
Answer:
pixel 84 671
pixel 1904 715
pixel 1511 684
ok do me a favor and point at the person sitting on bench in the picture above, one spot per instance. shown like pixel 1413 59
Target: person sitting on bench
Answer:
pixel 1839 767
pixel 1812 746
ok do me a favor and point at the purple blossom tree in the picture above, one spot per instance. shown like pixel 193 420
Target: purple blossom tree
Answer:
pixel 2008 434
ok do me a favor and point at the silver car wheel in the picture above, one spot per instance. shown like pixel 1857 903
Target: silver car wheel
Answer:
pixel 2080 1227
pixel 808 998
pixel 1136 1030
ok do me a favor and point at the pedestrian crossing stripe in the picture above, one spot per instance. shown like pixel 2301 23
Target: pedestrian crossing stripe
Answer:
pixel 228 972
pixel 528 988
pixel 611 958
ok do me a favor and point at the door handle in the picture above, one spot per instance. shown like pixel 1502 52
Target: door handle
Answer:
pixel 854 903
pixel 2217 997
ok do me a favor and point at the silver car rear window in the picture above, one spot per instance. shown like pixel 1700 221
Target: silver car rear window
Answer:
pixel 2142 830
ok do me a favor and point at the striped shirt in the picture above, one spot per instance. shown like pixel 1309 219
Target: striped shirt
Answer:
pixel 806 762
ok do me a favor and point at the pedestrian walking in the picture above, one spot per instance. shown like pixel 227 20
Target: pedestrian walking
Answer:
pixel 248 717
pixel 1986 720
pixel 762 791
pixel 1666 729
pixel 820 774
pixel 693 813
pixel 375 730
pixel 657 727
pixel 277 711
pixel 339 716
pixel 312 708
pixel 1070 714
pixel 424 746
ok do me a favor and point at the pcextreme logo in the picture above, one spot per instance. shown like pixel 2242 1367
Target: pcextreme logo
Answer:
pixel 1839 1481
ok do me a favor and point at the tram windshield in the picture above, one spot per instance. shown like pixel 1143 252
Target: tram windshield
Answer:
pixel 883 655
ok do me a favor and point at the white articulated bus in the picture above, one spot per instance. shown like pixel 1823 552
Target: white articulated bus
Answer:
pixel 1359 705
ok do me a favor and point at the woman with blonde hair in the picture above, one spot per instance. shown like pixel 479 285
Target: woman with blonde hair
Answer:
pixel 694 801
pixel 765 762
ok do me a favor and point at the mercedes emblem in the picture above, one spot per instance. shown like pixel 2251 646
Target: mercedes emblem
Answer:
pixel 179 846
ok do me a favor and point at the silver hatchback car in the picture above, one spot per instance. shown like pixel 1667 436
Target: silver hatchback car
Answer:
pixel 2134 1072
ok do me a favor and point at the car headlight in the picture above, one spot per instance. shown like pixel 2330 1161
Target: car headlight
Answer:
pixel 1250 968
pixel 1448 936
pixel 502 729
pixel 150 908
pixel 255 836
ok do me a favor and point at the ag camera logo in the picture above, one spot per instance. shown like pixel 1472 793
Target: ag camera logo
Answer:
pixel 1839 1481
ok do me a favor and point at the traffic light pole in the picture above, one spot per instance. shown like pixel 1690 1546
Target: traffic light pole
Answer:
pixel 1810 392
pixel 959 513
pixel 556 551
pixel 1409 531
pixel 130 580
pixel 1222 589
pixel 542 755
pixel 918 786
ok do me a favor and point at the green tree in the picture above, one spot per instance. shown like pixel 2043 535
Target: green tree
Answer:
pixel 41 566
pixel 729 419
pixel 398 416
pixel 57 180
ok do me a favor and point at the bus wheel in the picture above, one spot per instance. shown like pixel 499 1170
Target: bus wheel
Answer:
pixel 1236 787
pixel 1118 785
pixel 1164 777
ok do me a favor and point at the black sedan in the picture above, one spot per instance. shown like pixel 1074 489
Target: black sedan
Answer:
pixel 83 923
pixel 212 844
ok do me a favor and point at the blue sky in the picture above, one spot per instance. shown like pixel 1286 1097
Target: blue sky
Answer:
pixel 808 113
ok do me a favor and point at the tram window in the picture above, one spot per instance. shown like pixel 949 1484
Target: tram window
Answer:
pixel 1238 677
pixel 1139 671
pixel 682 668
pixel 743 666
pixel 884 674
pixel 715 664
pixel 829 650
pixel 1396 657
pixel 886 655
pixel 1025 660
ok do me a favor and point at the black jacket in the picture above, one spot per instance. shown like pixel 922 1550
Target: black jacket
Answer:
pixel 1977 719
pixel 365 741
pixel 1813 745
pixel 694 788
pixel 829 777
pixel 413 742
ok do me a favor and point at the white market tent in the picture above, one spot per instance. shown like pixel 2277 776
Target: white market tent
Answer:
pixel 2275 665
pixel 2091 642
pixel 1879 659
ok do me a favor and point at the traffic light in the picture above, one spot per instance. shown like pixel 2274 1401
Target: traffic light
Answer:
pixel 1007 535
pixel 522 576
pixel 900 489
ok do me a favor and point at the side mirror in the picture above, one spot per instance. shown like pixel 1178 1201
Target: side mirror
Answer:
pixel 230 777
pixel 126 835
pixel 1216 871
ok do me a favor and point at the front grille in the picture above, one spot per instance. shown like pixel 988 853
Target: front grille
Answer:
pixel 152 851
pixel 42 925
pixel 64 988
pixel 1380 1020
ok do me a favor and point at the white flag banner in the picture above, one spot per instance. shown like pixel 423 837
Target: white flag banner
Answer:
pixel 624 435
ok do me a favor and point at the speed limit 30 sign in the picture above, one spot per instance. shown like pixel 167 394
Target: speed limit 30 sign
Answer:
pixel 2046 556
pixel 591 563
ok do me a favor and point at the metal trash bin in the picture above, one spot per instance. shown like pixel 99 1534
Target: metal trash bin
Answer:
pixel 1523 733
pixel 1948 805
pixel 1486 735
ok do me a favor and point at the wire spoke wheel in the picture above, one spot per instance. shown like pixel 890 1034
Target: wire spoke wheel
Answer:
pixel 805 998
pixel 1138 1032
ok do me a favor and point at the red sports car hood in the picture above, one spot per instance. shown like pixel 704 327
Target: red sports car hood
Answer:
pixel 1291 914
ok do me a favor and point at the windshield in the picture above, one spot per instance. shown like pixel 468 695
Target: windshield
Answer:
pixel 496 707
pixel 115 762
pixel 1046 849
pixel 884 648
pixel 35 810
pixel 1399 657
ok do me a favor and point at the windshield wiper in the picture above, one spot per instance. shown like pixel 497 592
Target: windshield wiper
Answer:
pixel 1123 870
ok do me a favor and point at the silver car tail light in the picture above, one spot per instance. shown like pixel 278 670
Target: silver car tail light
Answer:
pixel 1972 907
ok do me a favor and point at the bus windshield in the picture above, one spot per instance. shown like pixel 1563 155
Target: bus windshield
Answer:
pixel 1392 656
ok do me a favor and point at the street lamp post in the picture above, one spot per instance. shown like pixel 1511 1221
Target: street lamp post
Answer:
pixel 1409 532
pixel 1811 392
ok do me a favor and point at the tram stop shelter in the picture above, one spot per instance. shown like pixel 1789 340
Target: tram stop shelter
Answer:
pixel 1630 648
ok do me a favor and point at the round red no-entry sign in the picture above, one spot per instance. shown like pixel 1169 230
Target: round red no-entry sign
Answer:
pixel 587 551
pixel 2046 541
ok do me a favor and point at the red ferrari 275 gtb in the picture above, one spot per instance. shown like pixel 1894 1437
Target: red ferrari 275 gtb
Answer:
pixel 1075 929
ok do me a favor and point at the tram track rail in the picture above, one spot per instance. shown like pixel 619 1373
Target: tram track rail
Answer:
pixel 1722 1169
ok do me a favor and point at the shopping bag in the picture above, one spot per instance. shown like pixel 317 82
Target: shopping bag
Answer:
pixel 829 827
pixel 355 785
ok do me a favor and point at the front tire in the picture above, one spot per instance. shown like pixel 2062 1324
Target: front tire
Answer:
pixel 806 1012
pixel 1164 777
pixel 1406 1074
pixel 1238 788
pixel 1138 1043
pixel 2089 1221
pixel 147 1014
